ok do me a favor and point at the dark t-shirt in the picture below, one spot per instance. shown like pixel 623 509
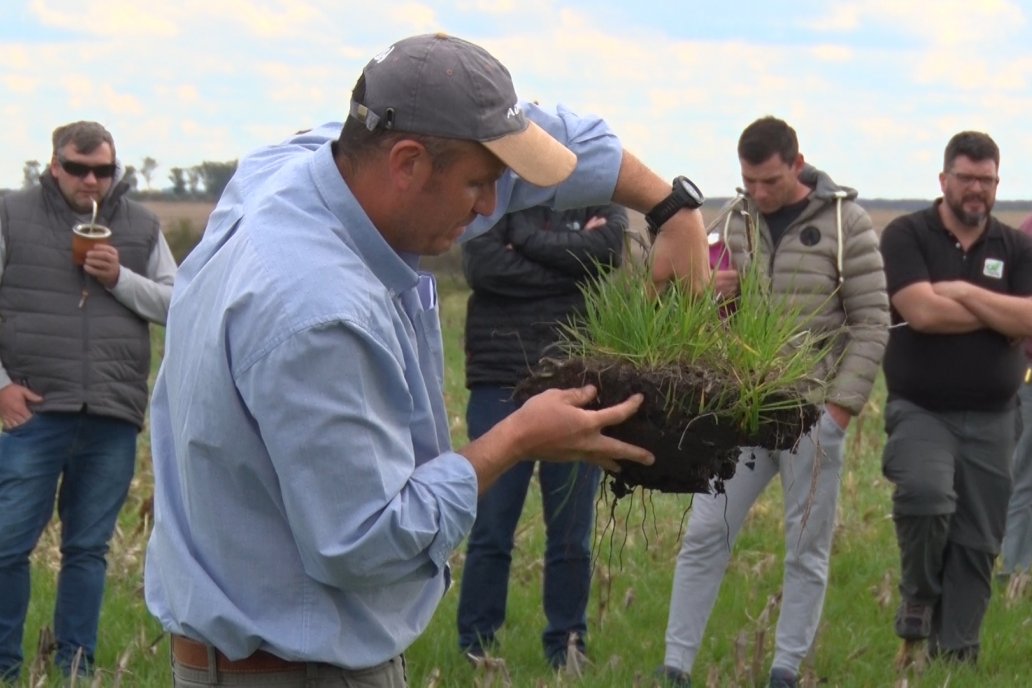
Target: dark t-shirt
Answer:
pixel 978 370
pixel 780 219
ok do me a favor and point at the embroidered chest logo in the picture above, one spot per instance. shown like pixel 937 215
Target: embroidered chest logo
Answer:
pixel 993 268
pixel 810 236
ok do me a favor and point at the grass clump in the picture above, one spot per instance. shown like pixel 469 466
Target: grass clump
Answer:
pixel 752 345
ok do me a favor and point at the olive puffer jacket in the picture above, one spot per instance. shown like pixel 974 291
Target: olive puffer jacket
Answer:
pixel 827 264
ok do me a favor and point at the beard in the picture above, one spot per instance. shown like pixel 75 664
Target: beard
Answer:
pixel 966 218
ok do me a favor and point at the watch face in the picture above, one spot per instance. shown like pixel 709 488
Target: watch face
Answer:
pixel 690 189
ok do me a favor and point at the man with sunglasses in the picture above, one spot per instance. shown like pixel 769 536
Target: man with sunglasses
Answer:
pixel 74 361
pixel 959 283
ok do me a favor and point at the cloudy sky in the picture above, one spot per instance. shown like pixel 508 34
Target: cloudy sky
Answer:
pixel 874 88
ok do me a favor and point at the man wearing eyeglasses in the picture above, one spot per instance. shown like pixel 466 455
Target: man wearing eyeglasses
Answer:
pixel 74 361
pixel 960 283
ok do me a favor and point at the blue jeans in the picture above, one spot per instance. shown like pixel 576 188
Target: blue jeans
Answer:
pixel 568 493
pixel 87 462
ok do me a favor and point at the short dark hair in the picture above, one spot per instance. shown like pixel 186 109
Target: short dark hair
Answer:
pixel 358 143
pixel 765 137
pixel 971 144
pixel 85 136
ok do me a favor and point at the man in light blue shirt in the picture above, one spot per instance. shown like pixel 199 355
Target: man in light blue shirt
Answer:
pixel 307 497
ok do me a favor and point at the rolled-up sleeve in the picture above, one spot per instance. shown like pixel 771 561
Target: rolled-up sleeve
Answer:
pixel 599 156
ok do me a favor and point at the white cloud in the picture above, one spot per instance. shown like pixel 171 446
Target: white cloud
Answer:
pixel 187 94
pixel 108 17
pixel 414 18
pixel 833 53
pixel 840 17
pixel 80 91
pixel 874 87
pixel 270 18
pixel 18 84
pixel 123 103
pixel 15 57
pixel 951 23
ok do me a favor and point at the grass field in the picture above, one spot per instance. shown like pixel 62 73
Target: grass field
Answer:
pixel 636 542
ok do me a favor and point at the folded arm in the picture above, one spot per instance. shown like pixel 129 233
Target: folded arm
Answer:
pixel 1009 315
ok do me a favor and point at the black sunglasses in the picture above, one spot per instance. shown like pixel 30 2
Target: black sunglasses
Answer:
pixel 81 170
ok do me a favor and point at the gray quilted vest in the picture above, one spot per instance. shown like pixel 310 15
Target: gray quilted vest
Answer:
pixel 87 354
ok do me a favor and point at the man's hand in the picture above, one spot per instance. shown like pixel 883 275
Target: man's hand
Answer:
pixel 725 282
pixel 14 400
pixel 102 263
pixel 555 426
pixel 838 414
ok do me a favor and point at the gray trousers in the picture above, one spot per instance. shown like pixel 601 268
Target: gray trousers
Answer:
pixel 810 499
pixel 1017 540
pixel 390 674
pixel 951 472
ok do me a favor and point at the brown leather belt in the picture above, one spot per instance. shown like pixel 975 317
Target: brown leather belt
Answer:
pixel 194 655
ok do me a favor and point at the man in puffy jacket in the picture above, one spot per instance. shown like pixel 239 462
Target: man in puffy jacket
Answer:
pixel 817 248
pixel 526 274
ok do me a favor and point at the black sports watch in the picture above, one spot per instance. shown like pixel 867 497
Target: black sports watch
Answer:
pixel 684 195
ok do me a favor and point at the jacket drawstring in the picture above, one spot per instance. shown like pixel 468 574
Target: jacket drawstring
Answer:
pixel 839 196
pixel 750 227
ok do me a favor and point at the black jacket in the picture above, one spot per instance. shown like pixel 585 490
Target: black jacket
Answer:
pixel 526 273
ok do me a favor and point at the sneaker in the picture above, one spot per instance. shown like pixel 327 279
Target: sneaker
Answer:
pixel 914 620
pixel 782 678
pixel 669 677
pixel 573 661
pixel 475 654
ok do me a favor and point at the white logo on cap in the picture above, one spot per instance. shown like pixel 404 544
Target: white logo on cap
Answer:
pixel 383 56
pixel 513 111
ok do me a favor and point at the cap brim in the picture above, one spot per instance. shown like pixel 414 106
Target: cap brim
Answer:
pixel 534 155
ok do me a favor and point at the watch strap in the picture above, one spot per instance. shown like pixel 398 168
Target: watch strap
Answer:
pixel 679 197
pixel 664 210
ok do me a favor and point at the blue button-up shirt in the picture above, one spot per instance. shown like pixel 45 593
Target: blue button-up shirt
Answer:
pixel 306 494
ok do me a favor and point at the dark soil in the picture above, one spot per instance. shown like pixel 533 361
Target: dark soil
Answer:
pixel 694 453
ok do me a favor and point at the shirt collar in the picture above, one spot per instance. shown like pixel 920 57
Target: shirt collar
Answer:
pixel 992 227
pixel 396 271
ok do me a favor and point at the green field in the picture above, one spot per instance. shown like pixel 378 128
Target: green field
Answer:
pixel 636 542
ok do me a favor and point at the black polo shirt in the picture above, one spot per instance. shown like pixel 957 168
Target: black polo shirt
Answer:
pixel 978 370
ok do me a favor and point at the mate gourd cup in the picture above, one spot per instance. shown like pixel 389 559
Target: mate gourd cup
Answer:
pixel 84 237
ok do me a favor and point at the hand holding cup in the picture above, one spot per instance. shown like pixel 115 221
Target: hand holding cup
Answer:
pixel 84 237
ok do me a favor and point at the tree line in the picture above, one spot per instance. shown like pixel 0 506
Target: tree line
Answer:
pixel 204 181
